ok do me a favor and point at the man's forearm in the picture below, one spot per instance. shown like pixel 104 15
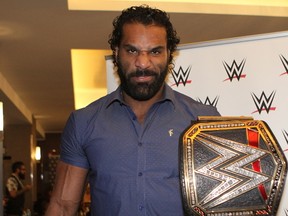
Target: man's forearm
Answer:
pixel 15 193
pixel 62 208
pixel 19 192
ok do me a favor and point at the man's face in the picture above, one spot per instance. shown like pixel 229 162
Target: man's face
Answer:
pixel 142 59
pixel 22 172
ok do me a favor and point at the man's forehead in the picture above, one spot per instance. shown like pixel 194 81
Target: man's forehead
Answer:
pixel 133 25
pixel 136 34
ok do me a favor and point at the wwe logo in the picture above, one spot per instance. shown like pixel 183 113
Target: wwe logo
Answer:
pixel 285 64
pixel 285 134
pixel 235 70
pixel 181 77
pixel 264 103
pixel 209 102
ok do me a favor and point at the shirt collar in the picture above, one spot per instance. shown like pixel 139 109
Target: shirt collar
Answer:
pixel 116 96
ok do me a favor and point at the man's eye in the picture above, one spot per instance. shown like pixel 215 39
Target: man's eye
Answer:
pixel 132 51
pixel 155 52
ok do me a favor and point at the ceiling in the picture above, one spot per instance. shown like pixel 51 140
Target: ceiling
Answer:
pixel 36 39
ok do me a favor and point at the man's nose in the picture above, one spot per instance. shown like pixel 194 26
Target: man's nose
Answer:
pixel 143 60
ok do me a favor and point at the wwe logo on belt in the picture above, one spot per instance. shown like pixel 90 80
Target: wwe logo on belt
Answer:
pixel 245 179
pixel 209 102
pixel 181 76
pixel 235 70
pixel 264 103
pixel 285 64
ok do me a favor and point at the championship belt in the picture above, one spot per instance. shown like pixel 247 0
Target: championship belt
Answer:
pixel 231 166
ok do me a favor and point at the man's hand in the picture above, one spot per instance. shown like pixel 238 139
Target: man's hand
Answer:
pixel 27 187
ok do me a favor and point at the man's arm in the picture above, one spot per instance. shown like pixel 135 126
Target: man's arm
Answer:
pixel 15 193
pixel 68 190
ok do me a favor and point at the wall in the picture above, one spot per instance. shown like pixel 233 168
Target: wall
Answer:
pixel 49 149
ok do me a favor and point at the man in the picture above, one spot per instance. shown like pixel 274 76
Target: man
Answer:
pixel 15 190
pixel 128 140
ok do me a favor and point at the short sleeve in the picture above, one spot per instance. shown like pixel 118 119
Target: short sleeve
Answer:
pixel 71 150
pixel 11 184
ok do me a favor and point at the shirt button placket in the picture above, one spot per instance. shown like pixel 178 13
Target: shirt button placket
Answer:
pixel 141 179
pixel 140 207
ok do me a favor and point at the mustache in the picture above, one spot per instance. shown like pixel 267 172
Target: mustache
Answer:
pixel 139 73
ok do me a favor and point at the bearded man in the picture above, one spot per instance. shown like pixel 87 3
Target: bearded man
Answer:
pixel 15 190
pixel 128 140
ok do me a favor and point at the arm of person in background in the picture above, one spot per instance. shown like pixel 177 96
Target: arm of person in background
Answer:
pixel 68 190
pixel 15 193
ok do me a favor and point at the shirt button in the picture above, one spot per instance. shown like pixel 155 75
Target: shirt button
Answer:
pixel 140 144
pixel 140 174
pixel 141 207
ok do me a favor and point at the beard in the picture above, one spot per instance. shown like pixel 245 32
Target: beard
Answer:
pixel 141 91
pixel 21 176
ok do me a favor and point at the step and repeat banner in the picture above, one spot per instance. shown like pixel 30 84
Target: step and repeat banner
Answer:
pixel 245 76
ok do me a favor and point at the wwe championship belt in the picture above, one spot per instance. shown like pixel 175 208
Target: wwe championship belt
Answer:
pixel 231 166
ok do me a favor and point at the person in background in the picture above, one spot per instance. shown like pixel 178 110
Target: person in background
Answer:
pixel 128 140
pixel 15 190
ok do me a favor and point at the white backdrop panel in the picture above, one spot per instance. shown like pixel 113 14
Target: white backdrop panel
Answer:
pixel 242 77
